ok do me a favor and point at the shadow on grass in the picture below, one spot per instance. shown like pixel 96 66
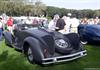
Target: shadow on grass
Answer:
pixel 3 56
pixel 19 62
pixel 96 44
pixel 11 62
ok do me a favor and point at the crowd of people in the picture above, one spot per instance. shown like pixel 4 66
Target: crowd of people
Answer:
pixel 68 24
pixel 65 24
pixel 90 21
pixel 9 23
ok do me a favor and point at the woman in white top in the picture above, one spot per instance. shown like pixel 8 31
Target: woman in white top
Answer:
pixel 28 21
pixel 52 24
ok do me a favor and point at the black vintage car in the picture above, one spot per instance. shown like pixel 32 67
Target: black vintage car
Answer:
pixel 44 46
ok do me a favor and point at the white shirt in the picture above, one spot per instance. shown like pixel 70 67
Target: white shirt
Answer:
pixel 68 23
pixel 1 24
pixel 74 22
pixel 52 25
pixel 29 21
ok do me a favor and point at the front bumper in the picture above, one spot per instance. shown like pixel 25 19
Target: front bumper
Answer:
pixel 64 58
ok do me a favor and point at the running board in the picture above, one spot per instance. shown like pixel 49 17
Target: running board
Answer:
pixel 64 58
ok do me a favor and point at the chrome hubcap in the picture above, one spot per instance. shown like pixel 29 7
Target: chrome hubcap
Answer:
pixel 61 43
pixel 30 55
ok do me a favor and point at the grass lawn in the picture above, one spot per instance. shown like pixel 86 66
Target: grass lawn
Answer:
pixel 13 60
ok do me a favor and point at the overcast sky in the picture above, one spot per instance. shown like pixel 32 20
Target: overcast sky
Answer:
pixel 74 4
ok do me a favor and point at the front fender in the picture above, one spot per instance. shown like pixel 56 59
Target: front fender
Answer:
pixel 74 40
pixel 35 44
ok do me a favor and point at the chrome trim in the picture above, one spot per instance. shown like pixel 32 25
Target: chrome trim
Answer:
pixel 64 58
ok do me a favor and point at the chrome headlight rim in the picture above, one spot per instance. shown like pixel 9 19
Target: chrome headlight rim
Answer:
pixel 61 43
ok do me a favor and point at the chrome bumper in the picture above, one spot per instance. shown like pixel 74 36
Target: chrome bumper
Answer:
pixel 64 58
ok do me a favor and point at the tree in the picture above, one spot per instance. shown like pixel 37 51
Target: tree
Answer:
pixel 39 8
pixel 14 7
pixel 97 13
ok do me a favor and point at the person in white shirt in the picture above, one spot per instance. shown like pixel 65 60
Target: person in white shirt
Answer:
pixel 52 24
pixel 1 26
pixel 28 21
pixel 67 26
pixel 74 24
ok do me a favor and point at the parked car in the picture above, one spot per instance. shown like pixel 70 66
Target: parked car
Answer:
pixel 89 32
pixel 44 46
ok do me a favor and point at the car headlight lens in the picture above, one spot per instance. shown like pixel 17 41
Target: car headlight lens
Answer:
pixel 61 43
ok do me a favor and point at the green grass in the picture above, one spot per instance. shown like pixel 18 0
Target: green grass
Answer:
pixel 13 60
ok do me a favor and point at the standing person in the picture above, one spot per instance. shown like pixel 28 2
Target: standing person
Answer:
pixel 1 28
pixel 74 24
pixel 35 21
pixel 68 24
pixel 28 21
pixel 4 21
pixel 99 22
pixel 52 24
pixel 60 24
pixel 10 24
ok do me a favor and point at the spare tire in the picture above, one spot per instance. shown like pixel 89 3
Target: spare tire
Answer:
pixel 62 45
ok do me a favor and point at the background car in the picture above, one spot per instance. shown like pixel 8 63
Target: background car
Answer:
pixel 44 46
pixel 89 32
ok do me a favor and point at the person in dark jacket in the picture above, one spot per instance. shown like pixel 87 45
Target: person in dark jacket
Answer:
pixel 60 24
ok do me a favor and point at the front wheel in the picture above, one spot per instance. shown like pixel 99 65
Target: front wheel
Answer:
pixel 30 55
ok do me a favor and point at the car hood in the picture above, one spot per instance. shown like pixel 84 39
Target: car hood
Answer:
pixel 94 29
pixel 94 26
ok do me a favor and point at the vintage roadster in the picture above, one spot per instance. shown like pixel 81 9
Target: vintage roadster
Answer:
pixel 43 46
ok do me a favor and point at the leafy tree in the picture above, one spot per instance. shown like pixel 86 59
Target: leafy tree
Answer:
pixel 39 8
pixel 97 13
pixel 24 7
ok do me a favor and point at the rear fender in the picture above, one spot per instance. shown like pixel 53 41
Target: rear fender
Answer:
pixel 35 44
pixel 8 38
